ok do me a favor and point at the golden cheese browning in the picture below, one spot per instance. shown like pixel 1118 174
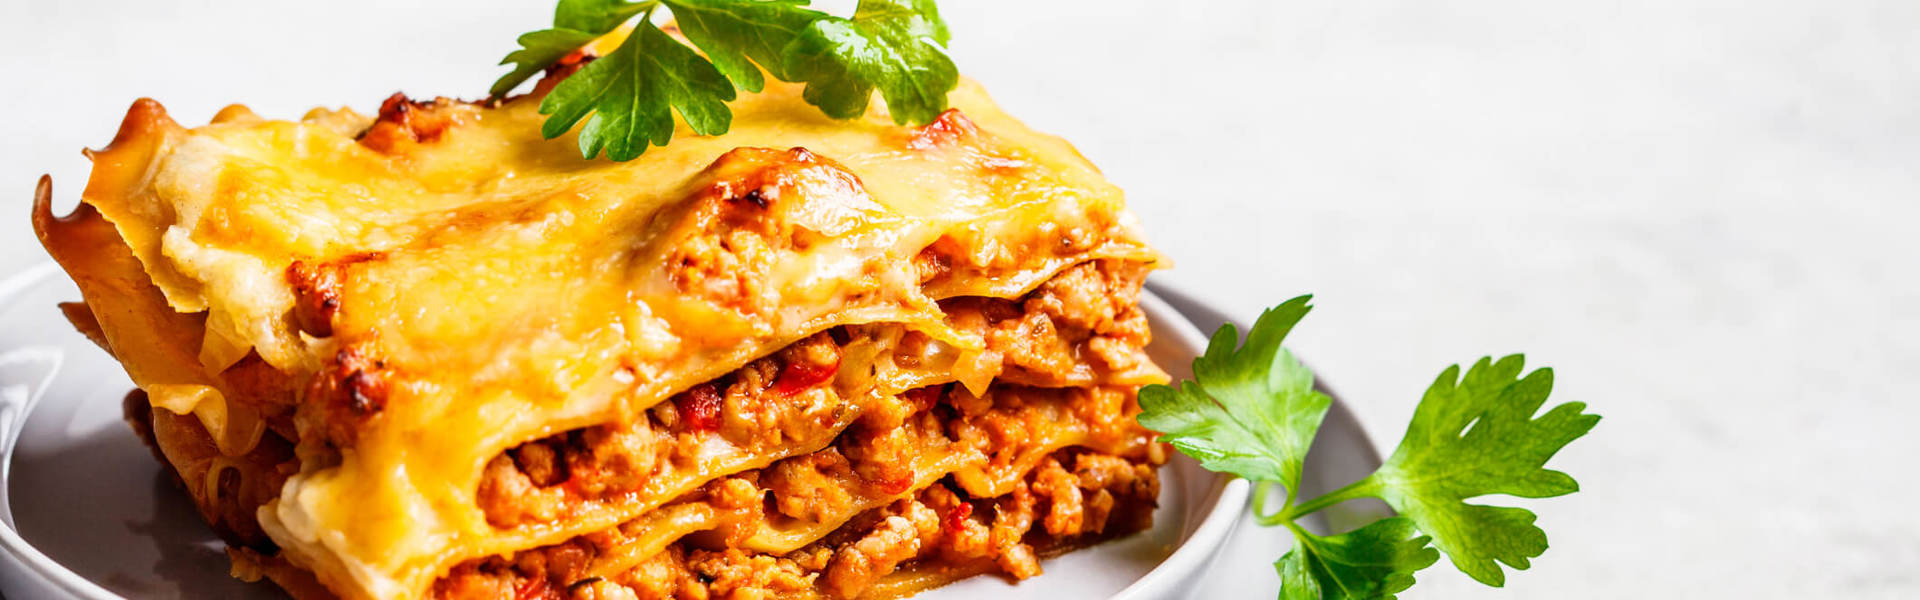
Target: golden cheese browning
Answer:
pixel 432 353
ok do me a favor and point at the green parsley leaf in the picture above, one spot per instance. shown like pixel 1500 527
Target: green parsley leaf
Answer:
pixel 630 93
pixel 896 46
pixel 1442 462
pixel 575 24
pixel 1250 411
pixel 733 31
pixel 537 50
pixel 892 45
pixel 1375 561
pixel 596 16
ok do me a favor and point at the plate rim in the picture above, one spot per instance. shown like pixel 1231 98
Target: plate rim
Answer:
pixel 1228 496
pixel 1224 502
pixel 13 418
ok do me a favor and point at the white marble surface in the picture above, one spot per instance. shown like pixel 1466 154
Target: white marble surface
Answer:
pixel 1702 213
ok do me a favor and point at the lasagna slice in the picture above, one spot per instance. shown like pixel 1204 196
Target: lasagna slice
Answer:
pixel 430 354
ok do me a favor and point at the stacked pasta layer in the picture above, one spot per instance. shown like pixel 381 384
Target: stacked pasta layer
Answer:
pixel 432 354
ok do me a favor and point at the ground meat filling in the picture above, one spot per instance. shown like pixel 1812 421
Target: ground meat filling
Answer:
pixel 765 404
pixel 1082 322
pixel 1067 494
pixel 1075 497
pixel 1011 501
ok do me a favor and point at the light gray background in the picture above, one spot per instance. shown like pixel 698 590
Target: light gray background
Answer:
pixel 1702 213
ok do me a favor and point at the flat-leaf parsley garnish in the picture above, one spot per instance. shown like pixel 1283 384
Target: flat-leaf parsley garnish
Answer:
pixel 628 97
pixel 1252 411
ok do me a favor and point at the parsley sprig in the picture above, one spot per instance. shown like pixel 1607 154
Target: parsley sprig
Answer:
pixel 628 97
pixel 1252 411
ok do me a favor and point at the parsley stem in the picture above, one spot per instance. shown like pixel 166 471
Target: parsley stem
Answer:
pixel 1260 491
pixel 1357 489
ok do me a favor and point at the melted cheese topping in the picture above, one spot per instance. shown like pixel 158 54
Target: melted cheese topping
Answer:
pixel 500 288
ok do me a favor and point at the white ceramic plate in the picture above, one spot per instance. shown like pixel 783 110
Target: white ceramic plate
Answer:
pixel 88 514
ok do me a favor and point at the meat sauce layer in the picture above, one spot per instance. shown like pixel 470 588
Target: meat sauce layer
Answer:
pixel 1082 327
